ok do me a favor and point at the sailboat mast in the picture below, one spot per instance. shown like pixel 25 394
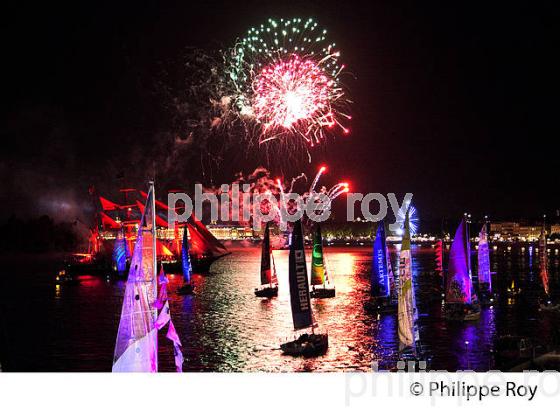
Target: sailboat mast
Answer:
pixel 273 276
pixel 468 243
pixel 154 245
pixel 154 263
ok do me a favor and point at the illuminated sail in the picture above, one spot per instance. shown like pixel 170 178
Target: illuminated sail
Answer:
pixel 484 275
pixel 164 318
pixel 120 252
pixel 407 313
pixel 380 268
pixel 204 244
pixel 459 284
pixel 268 271
pixel 318 268
pixel 136 345
pixel 299 286
pixel 185 257
pixel 392 280
pixel 543 260
pixel 439 257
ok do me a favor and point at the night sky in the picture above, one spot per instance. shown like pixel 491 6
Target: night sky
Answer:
pixel 456 103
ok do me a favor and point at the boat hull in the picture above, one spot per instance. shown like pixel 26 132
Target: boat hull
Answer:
pixel 186 289
pixel 549 307
pixel 267 292
pixel 461 313
pixel 307 345
pixel 199 265
pixel 380 305
pixel 322 292
pixel 94 268
pixel 487 299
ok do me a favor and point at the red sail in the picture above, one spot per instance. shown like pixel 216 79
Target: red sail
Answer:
pixel 266 271
pixel 108 222
pixel 208 243
pixel 543 259
pixel 199 247
pixel 159 221
pixel 108 205
pixel 158 203
pixel 162 250
pixel 439 258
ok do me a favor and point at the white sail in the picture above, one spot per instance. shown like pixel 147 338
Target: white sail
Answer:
pixel 136 347
pixel 407 313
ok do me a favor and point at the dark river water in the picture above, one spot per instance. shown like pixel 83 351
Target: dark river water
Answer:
pixel 225 328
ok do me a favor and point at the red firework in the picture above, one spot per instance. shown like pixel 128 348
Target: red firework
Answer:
pixel 295 95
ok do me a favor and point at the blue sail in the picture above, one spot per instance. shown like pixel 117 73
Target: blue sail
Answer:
pixel 380 285
pixel 185 257
pixel 120 252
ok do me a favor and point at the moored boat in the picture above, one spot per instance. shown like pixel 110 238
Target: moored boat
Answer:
pixel 64 277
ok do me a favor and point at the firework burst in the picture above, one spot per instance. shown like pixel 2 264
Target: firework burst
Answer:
pixel 331 193
pixel 413 220
pixel 285 77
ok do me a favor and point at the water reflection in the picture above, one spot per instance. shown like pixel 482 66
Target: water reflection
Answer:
pixel 224 327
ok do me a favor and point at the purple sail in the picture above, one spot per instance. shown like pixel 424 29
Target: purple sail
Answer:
pixel 137 345
pixel 459 280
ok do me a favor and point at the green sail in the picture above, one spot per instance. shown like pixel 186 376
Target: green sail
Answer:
pixel 318 270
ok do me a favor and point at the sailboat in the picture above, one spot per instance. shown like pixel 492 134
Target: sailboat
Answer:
pixel 439 258
pixel 438 279
pixel 203 248
pixel 461 302
pixel 308 344
pixel 409 336
pixel 121 253
pixel 382 285
pixel 269 280
pixel 545 303
pixel 188 287
pixel 484 274
pixel 320 286
pixel 145 310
